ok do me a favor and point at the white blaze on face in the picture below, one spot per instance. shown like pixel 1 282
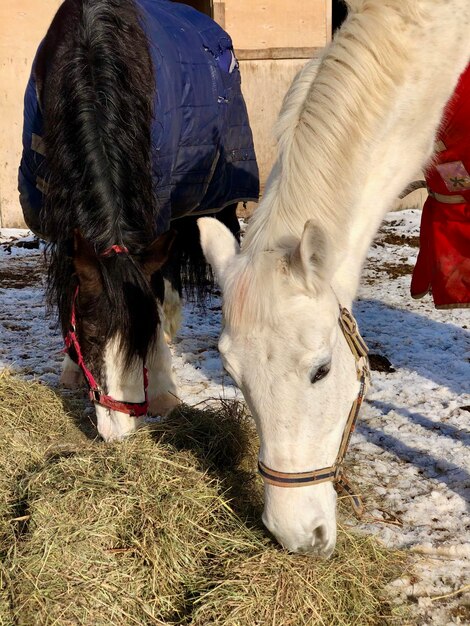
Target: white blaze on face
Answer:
pixel 124 384
pixel 127 384
pixel 71 376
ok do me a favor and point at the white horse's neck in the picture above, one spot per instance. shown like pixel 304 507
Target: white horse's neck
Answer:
pixel 351 137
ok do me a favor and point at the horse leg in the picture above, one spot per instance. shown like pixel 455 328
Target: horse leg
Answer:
pixel 162 390
pixel 171 311
pixel 71 376
pixel 162 386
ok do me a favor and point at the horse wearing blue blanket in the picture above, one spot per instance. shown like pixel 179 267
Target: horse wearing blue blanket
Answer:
pixel 134 126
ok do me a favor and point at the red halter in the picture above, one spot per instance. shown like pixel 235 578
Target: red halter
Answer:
pixel 117 249
pixel 136 409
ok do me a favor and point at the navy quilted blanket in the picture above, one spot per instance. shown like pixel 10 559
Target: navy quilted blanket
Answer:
pixel 203 154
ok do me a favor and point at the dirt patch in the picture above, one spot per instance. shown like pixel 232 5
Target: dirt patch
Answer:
pixel 380 363
pixel 395 270
pixel 398 240
pixel 28 244
pixel 462 613
pixel 22 273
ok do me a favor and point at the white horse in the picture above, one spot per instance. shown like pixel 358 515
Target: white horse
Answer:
pixel 350 137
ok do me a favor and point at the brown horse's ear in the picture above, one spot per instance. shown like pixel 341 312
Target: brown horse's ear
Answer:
pixel 157 253
pixel 86 264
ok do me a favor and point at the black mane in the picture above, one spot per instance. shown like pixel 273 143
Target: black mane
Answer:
pixel 96 85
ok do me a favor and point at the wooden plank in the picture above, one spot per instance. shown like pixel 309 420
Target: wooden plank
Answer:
pixel 276 53
pixel 276 23
pixel 328 14
pixel 219 13
pixel 23 23
pixel 264 85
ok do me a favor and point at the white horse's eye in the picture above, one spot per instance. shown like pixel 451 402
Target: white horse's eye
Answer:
pixel 320 373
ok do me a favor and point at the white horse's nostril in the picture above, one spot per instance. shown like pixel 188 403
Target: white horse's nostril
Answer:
pixel 320 536
pixel 321 543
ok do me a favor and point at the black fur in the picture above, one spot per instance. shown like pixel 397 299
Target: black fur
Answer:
pixel 339 14
pixel 98 101
pixel 96 85
pixel 187 269
pixel 126 305
pixel 96 88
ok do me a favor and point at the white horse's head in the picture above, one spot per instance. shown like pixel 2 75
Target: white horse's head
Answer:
pixel 283 346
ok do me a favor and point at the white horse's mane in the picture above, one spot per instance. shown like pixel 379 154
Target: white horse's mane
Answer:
pixel 340 132
pixel 331 115
pixel 329 111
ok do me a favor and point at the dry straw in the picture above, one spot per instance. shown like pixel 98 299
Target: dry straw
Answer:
pixel 160 529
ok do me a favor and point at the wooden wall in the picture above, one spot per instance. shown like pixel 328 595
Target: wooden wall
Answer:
pixel 264 84
pixel 276 28
pixel 23 23
pixel 272 38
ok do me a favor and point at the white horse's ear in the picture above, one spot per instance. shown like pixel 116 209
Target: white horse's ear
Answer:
pixel 218 244
pixel 312 258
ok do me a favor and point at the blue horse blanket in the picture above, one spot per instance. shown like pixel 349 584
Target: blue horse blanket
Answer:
pixel 203 153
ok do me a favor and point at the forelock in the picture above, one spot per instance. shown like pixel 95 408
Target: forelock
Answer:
pixel 253 288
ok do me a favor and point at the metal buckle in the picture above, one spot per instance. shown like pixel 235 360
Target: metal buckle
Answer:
pixel 95 395
pixel 349 323
pixel 338 473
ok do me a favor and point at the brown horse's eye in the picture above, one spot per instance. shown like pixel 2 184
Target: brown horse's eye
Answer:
pixel 320 373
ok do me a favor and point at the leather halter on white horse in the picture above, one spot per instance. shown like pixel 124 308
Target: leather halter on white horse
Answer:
pixel 335 472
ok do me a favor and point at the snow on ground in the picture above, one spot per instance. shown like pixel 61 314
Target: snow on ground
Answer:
pixel 410 451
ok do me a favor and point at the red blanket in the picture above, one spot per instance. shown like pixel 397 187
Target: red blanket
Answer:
pixel 443 265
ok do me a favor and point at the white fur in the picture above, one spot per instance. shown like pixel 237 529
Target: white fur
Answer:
pixel 71 375
pixel 349 138
pixel 163 394
pixel 172 311
pixel 127 384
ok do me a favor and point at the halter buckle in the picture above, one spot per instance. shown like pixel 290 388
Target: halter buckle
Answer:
pixel 349 323
pixel 95 395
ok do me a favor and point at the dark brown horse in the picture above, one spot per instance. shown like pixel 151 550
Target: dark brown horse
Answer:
pixel 125 135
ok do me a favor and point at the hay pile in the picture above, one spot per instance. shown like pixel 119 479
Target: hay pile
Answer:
pixel 160 529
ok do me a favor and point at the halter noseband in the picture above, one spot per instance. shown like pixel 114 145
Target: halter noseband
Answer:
pixel 335 472
pixel 135 409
